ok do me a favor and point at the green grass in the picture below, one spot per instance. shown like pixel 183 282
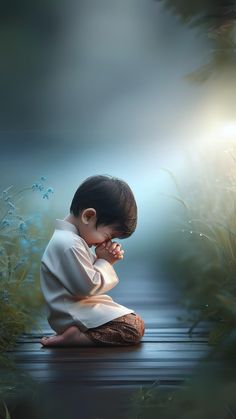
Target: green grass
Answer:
pixel 202 250
pixel 204 253
pixel 22 242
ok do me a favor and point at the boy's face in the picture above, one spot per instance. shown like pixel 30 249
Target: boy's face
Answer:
pixel 88 231
pixel 97 236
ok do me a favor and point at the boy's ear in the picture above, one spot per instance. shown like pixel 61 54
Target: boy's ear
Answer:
pixel 88 214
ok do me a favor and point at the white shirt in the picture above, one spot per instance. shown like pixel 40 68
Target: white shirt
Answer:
pixel 73 281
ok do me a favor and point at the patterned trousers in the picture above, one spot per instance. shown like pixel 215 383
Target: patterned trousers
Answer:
pixel 122 331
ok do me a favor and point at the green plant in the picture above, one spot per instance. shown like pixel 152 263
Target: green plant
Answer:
pixel 209 392
pixel 215 22
pixel 206 253
pixel 21 244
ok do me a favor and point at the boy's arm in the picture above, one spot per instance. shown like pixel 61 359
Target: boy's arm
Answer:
pixel 82 277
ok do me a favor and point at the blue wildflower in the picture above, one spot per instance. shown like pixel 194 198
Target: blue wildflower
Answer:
pixel 50 190
pixel 24 243
pixel 23 226
pixel 35 186
pixel 6 222
pixel 45 195
pixel 41 187
pixel 34 249
pixel 19 217
pixel 43 178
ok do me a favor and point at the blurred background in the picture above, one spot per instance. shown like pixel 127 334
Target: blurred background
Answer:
pixel 99 87
pixel 143 90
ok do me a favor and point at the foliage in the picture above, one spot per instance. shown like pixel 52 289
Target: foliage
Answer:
pixel 208 393
pixel 205 257
pixel 17 387
pixel 21 244
pixel 217 21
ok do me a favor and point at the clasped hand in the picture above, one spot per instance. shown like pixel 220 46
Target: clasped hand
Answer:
pixel 111 251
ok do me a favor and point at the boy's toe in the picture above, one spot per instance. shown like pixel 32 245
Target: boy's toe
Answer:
pixel 52 340
pixel 43 340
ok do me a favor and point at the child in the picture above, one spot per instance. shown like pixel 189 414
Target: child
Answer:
pixel 73 280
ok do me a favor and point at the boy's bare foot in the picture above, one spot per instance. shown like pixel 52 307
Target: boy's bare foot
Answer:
pixel 71 337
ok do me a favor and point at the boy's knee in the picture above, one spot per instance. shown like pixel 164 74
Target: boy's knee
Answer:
pixel 140 332
pixel 141 327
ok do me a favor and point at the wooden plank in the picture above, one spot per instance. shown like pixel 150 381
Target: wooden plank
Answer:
pixel 69 378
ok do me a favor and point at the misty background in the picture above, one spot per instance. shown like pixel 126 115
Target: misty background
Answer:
pixel 97 87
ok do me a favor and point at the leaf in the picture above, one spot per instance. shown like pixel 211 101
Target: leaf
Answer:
pixel 201 75
pixel 226 228
pixel 7 412
pixel 173 177
pixel 177 198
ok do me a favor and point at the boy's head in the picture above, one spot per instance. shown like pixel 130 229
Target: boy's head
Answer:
pixel 103 203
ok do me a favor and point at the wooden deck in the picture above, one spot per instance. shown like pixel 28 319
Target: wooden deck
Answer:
pixel 97 382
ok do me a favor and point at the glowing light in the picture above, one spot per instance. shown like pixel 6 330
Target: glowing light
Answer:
pixel 229 130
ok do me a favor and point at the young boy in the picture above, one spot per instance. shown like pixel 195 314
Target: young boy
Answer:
pixel 73 279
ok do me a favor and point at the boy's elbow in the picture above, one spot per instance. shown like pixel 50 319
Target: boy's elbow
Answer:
pixel 91 287
pixel 93 291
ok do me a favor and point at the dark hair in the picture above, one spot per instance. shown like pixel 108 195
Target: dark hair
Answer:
pixel 113 201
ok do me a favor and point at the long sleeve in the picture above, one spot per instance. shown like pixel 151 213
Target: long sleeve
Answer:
pixel 74 281
pixel 83 278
